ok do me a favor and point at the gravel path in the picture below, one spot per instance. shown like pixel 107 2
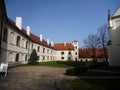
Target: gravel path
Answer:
pixel 35 78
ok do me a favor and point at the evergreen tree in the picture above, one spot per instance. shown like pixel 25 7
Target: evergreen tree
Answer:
pixel 33 57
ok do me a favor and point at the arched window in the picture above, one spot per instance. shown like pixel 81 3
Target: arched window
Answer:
pixel 5 34
pixel 26 44
pixel 17 58
pixel 18 41
pixel 62 53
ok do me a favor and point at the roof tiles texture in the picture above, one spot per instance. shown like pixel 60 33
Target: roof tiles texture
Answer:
pixel 88 53
pixel 63 46
pixel 33 37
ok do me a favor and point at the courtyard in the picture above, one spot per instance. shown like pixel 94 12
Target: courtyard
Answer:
pixel 38 77
pixel 35 78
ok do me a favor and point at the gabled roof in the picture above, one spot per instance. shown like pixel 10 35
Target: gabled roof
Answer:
pixel 117 12
pixel 32 37
pixel 88 53
pixel 63 46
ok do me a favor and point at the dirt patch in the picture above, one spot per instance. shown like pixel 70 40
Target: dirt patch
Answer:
pixel 34 78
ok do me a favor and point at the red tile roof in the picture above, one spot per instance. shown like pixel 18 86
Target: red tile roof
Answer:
pixel 62 46
pixel 33 37
pixel 88 53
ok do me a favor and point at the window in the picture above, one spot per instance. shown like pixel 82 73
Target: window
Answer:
pixel 62 53
pixel 26 44
pixel 12 38
pixel 76 53
pixel 43 57
pixel 25 57
pixel 38 49
pixel 18 41
pixel 76 47
pixel 5 35
pixel 17 58
pixel 62 57
pixel 43 50
pixel 69 58
pixel 69 53
pixel 32 47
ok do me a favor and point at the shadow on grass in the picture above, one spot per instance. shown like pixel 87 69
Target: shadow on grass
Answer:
pixel 96 84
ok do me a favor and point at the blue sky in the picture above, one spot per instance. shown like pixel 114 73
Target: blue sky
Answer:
pixel 62 20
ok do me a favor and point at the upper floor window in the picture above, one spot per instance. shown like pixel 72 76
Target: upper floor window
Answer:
pixel 43 50
pixel 18 41
pixel 5 34
pixel 69 53
pixel 38 49
pixel 26 44
pixel 32 47
pixel 12 38
pixel 76 47
pixel 62 53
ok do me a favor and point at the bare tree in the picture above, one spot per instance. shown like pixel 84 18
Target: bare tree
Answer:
pixel 92 41
pixel 103 36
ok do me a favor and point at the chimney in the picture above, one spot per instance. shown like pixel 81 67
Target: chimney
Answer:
pixel 28 30
pixel 64 43
pixel 48 41
pixel 19 22
pixel 52 44
pixel 41 37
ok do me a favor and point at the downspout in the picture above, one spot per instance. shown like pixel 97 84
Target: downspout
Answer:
pixel 1 26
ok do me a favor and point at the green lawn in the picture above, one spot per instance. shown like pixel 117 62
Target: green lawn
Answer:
pixel 96 84
pixel 63 64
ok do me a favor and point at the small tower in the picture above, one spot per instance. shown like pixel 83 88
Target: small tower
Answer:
pixel 76 48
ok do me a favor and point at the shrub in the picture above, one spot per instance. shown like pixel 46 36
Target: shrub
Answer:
pixel 70 72
pixel 80 69
pixel 33 57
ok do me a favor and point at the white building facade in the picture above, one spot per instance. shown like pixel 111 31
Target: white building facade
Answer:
pixel 16 43
pixel 67 51
pixel 114 38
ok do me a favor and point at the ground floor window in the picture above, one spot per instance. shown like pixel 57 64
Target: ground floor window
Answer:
pixel 62 57
pixel 76 59
pixel 17 58
pixel 69 58
pixel 25 57
pixel 43 57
